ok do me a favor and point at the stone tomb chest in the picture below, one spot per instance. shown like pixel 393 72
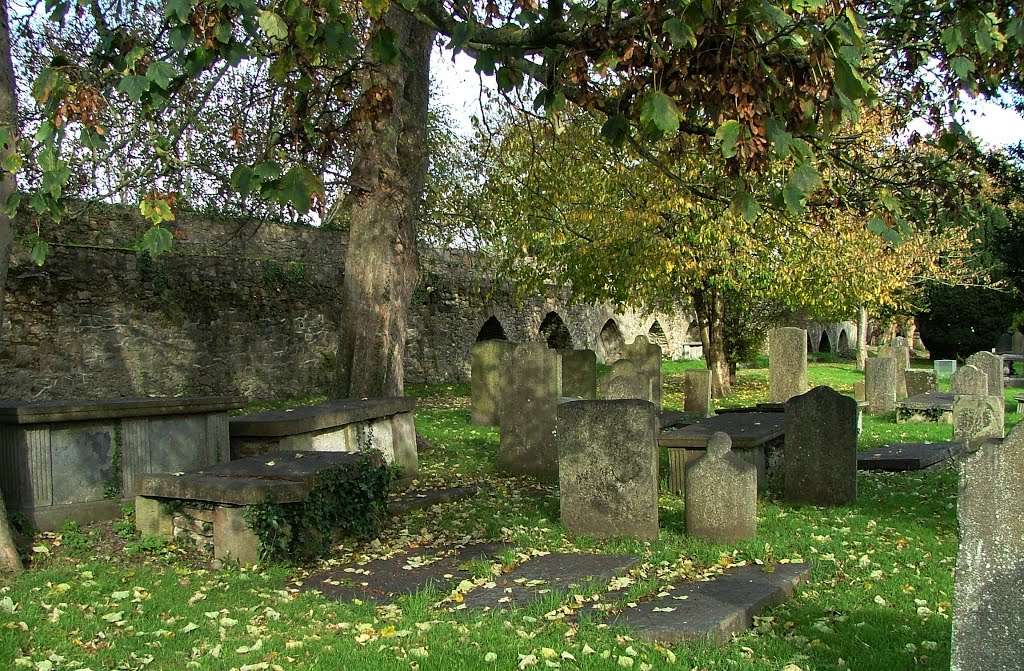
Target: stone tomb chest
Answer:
pixel 77 459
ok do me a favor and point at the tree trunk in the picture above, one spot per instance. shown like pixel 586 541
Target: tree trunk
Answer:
pixel 389 168
pixel 710 308
pixel 862 338
pixel 8 120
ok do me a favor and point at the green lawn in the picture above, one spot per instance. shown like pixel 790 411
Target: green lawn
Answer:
pixel 879 596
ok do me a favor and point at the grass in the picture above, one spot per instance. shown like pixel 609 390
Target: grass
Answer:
pixel 879 596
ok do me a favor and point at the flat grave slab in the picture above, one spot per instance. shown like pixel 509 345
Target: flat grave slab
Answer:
pixel 907 456
pixel 760 407
pixel 932 406
pixel 673 419
pixel 715 609
pixel 286 422
pixel 746 429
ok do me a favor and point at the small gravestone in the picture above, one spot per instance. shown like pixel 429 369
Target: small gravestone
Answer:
pixel 1018 342
pixel 721 494
pixel 608 468
pixel 977 418
pixel 880 385
pixel 697 392
pixel 647 357
pixel 579 373
pixel 486 369
pixel 988 620
pixel 991 365
pixel 532 381
pixel 820 465
pixel 920 382
pixel 969 380
pixel 626 381
pixel 787 363
pixel 1004 343
pixel 858 391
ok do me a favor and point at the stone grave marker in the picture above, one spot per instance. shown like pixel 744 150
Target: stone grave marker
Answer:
pixel 486 369
pixel 697 392
pixel 579 373
pixel 1017 342
pixel 820 465
pixel 969 380
pixel 608 467
pixel 787 363
pixel 988 620
pixel 1004 343
pixel 647 357
pixel 859 391
pixel 977 417
pixel 880 384
pixel 721 494
pixel 902 357
pixel 991 365
pixel 624 380
pixel 920 382
pixel 532 383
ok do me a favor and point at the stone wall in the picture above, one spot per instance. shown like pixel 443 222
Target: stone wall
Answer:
pixel 248 308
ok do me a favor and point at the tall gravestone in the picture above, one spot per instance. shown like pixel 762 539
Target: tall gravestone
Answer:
pixel 901 355
pixel 647 357
pixel 532 382
pixel 624 380
pixel 820 462
pixel 697 392
pixel 988 617
pixel 486 386
pixel 579 373
pixel 991 365
pixel 880 385
pixel 721 494
pixel 1017 342
pixel 787 363
pixel 608 468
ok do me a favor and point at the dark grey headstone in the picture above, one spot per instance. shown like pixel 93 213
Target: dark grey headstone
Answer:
pixel 532 382
pixel 907 456
pixel 1017 342
pixel 579 373
pixel 880 384
pixel 1004 343
pixel 920 382
pixel 721 494
pixel 992 366
pixel 486 366
pixel 81 457
pixel 821 448
pixel 697 391
pixel 787 363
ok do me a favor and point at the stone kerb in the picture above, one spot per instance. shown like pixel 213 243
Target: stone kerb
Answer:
pixel 579 373
pixel 608 467
pixel 988 621
pixel 880 385
pixel 625 380
pixel 697 392
pixel 647 357
pixel 721 494
pixel 787 363
pixel 532 383
pixel 486 384
pixel 991 365
pixel 820 465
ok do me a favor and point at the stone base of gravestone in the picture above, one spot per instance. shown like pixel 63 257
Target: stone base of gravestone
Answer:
pixel 608 468
pixel 821 448
pixel 721 494
pixel 486 386
pixel 697 392
pixel 880 385
pixel 787 363
pixel 529 403
pixel 579 373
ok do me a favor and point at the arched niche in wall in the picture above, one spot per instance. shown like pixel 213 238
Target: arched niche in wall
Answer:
pixel 825 345
pixel 554 332
pixel 656 334
pixel 610 342
pixel 693 332
pixel 491 330
pixel 844 342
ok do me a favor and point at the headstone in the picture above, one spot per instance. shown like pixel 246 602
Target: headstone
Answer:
pixel 901 355
pixel 787 363
pixel 880 385
pixel 988 620
pixel 1017 342
pixel 820 463
pixel 721 494
pixel 977 418
pixel 579 373
pixel 608 468
pixel 969 380
pixel 944 368
pixel 647 357
pixel 921 382
pixel 625 381
pixel 529 403
pixel 859 391
pixel 697 392
pixel 899 341
pixel 1005 343
pixel 486 369
pixel 991 365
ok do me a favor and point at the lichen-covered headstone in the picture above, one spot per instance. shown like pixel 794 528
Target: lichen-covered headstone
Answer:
pixel 721 494
pixel 859 391
pixel 787 363
pixel 608 468
pixel 901 355
pixel 697 392
pixel 820 462
pixel 988 617
pixel 880 385
pixel 991 365
pixel 625 380
pixel 579 373
pixel 647 356
pixel 486 370
pixel 532 381
pixel 920 382
pixel 969 380
pixel 978 417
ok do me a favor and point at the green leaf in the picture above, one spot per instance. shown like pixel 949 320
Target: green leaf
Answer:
pixel 39 252
pixel 134 86
pixel 157 240
pixel 616 130
pixel 877 225
pixel 508 79
pixel 780 138
pixel 728 134
pixel 409 5
pixel 744 205
pixel 267 170
pixel 805 178
pixel 376 8
pixel 181 9
pixel 45 84
pixel 180 37
pixel 243 180
pixel 161 73
pixel 1015 29
pixel 273 25
pixel 47 160
pixel 794 199
pixel 156 210
pixel 680 33
pixel 659 112
pixel 383 46
pixel 298 186
pixel 962 66
pixel 12 163
pixel 12 204
pixel 849 81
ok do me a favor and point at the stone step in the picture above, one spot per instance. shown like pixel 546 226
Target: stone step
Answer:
pixel 907 456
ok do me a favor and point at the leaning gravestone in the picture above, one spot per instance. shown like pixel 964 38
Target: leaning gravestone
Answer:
pixel 991 365
pixel 608 467
pixel 697 392
pixel 579 373
pixel 721 494
pixel 625 380
pixel 920 382
pixel 820 462
pixel 532 381
pixel 787 363
pixel 988 620
pixel 486 366
pixel 880 385
pixel 647 357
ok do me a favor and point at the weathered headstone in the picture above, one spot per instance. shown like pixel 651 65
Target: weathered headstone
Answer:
pixel 721 494
pixel 988 620
pixel 697 392
pixel 859 391
pixel 978 417
pixel 920 382
pixel 1017 342
pixel 579 373
pixel 625 380
pixel 608 467
pixel 532 381
pixel 880 385
pixel 647 357
pixel 787 363
pixel 1005 343
pixel 901 355
pixel 969 380
pixel 991 365
pixel 486 370
pixel 820 465
pixel 944 368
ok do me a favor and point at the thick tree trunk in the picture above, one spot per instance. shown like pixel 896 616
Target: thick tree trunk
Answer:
pixel 389 170
pixel 8 120
pixel 862 338
pixel 710 309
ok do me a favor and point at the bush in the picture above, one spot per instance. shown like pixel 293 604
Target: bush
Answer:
pixel 964 320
